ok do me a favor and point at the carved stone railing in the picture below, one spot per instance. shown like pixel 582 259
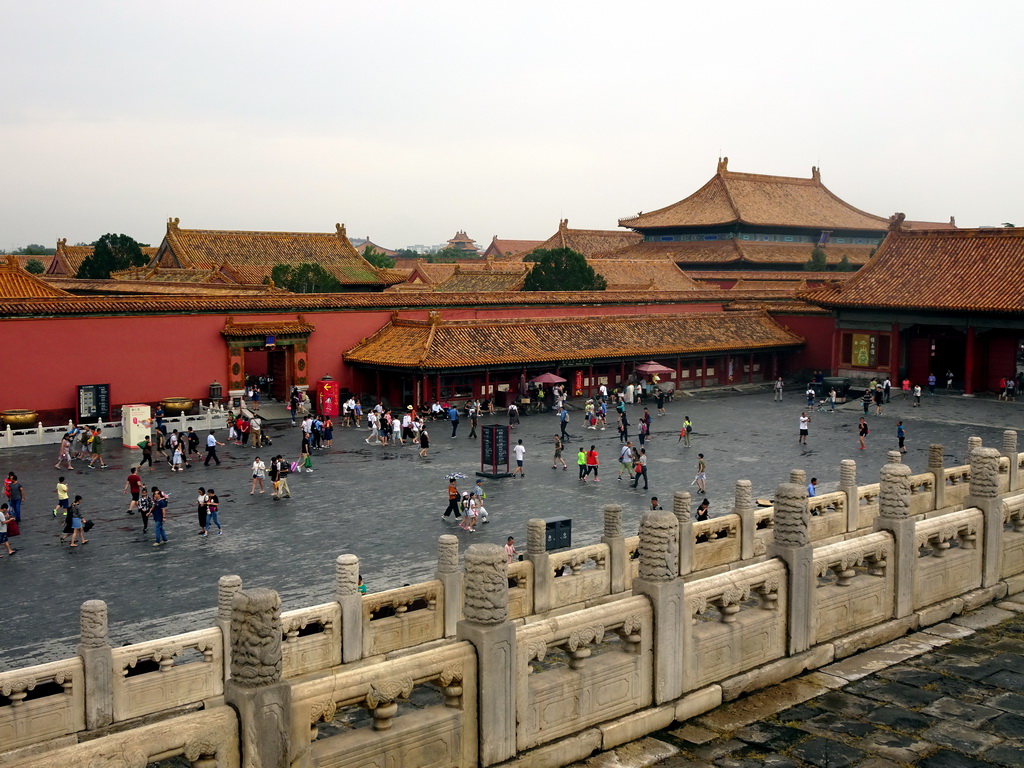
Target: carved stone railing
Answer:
pixel 633 558
pixel 958 481
pixel 764 529
pixel 867 505
pixel 520 589
pixel 329 713
pixel 579 575
pixel 403 617
pixel 582 668
pixel 828 515
pixel 161 674
pixel 739 621
pixel 207 739
pixel 922 493
pixel 1012 561
pixel 950 560
pixel 716 542
pixel 855 585
pixel 41 703
pixel 311 639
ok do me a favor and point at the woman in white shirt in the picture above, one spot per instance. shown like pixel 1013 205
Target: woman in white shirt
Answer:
pixel 259 471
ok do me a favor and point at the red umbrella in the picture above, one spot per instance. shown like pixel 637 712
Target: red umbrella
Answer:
pixel 651 367
pixel 548 378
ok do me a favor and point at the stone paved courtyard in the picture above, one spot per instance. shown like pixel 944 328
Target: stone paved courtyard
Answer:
pixel 950 696
pixel 384 505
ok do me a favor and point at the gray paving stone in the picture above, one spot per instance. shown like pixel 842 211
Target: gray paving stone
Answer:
pixel 845 703
pixel 1010 681
pixel 910 675
pixel 960 737
pixel 988 616
pixel 961 712
pixel 899 719
pixel 826 753
pixel 1007 726
pixel 948 759
pixel 896 746
pixel 1006 754
pixel 829 722
pixel 1010 702
pixel 771 736
pixel 904 695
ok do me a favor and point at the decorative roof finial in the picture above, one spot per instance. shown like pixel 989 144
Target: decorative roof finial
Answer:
pixel 172 223
pixel 340 229
pixel 815 173
pixel 62 242
pixel 723 164
pixel 952 221
pixel 563 224
pixel 896 221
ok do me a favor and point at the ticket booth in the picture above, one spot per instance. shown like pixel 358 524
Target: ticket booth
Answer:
pixel 136 422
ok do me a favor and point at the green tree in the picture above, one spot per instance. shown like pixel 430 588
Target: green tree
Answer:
pixel 844 265
pixel 35 266
pixel 409 253
pixel 34 249
pixel 305 278
pixel 378 259
pixel 1009 225
pixel 447 255
pixel 817 262
pixel 563 269
pixel 109 254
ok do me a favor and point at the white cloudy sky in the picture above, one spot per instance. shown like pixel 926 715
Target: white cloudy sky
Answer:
pixel 408 121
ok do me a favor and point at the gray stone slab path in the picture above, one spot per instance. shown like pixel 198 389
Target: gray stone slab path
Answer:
pixel 956 703
pixel 384 505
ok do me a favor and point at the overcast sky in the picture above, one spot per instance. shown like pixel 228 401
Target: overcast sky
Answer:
pixel 409 121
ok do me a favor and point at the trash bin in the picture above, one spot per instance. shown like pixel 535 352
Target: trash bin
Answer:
pixel 216 392
pixel 558 533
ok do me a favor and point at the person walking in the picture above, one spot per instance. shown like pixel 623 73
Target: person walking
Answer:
pixel 626 460
pixel 917 395
pixel 212 505
pixel 931 383
pixel 593 464
pixel 866 401
pixel 778 389
pixel 96 445
pixel 16 493
pixel 559 447
pixel 563 423
pixel 520 452
pixel 832 400
pixel 511 553
pixel 424 442
pixel 640 470
pixel 581 462
pixel 282 490
pixel 701 478
pixel 453 500
pixel 6 519
pixel 887 389
pixel 949 379
pixel 805 424
pixel 77 522
pixel 62 497
pixel 474 414
pixel 202 509
pixel 132 485
pixel 906 388
pixel 862 432
pixel 159 515
pixel 178 457
pixel 259 471
pixel 812 487
pixel 64 456
pixel 901 436
pixel 878 401
pixel 211 450
pixel 147 453
pixel 145 508
pixel 684 433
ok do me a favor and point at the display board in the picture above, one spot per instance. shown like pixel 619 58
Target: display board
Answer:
pixel 93 402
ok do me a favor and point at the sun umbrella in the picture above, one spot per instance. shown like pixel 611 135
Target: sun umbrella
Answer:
pixel 548 378
pixel 651 367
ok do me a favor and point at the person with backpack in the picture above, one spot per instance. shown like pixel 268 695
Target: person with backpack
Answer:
pixel 96 445
pixel 145 508
pixel 159 516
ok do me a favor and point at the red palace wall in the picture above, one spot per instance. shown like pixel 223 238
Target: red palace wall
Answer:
pixel 147 358
pixel 816 354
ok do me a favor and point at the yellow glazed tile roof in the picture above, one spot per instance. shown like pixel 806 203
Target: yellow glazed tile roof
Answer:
pixel 436 344
pixel 750 198
pixel 16 283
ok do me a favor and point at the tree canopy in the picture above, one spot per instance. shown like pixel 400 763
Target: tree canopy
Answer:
pixel 35 267
pixel 111 253
pixel 305 278
pixel 34 249
pixel 562 269
pixel 817 262
pixel 378 259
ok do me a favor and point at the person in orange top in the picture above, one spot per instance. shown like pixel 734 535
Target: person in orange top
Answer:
pixel 453 500
pixel 593 463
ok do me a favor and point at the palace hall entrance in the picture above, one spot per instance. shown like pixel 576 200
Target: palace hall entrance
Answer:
pixel 276 351
pixel 271 366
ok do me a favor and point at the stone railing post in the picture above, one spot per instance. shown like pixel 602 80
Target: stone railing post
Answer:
pixel 848 485
pixel 744 507
pixel 616 543
pixel 682 508
pixel 894 516
pixel 1010 452
pixel 536 553
pixel 972 443
pixel 798 477
pixel 658 580
pixel 984 494
pixel 450 576
pixel 935 466
pixel 793 546
pixel 227 587
pixel 346 592
pixel 98 664
pixel 486 626
pixel 255 690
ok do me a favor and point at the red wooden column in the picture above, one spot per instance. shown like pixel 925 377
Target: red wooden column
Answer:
pixel 487 384
pixel 836 337
pixel 750 380
pixel 775 365
pixel 426 389
pixel 703 371
pixel 679 372
pixel 438 392
pixel 590 378
pixel 969 363
pixel 894 354
pixel 622 374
